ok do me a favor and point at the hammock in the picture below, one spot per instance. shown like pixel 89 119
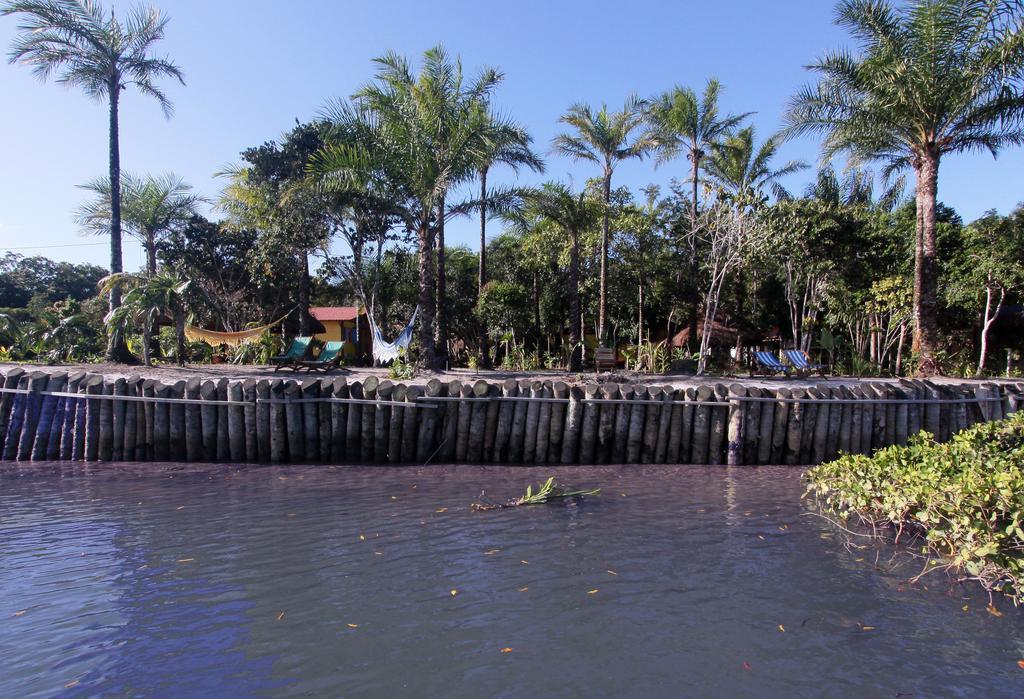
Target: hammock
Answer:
pixel 214 338
pixel 384 351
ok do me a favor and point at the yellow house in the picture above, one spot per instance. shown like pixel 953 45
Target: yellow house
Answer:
pixel 347 323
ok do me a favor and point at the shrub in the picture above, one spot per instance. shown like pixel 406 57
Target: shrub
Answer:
pixel 964 498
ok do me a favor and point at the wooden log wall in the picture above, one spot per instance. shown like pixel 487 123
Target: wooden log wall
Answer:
pixel 53 416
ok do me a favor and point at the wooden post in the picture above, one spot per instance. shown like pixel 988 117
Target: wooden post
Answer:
pixel 339 421
pixel 573 420
pixel 491 424
pixel 819 445
pixel 902 427
pixel 734 451
pixel 451 423
pixel 533 423
pixel 780 425
pixel 765 430
pixel 686 437
pixel 223 420
pixel 16 424
pixel 795 427
pixel 506 409
pixel 810 428
pixel 701 426
pixel 395 426
pixel 370 384
pixel 752 425
pixel 649 445
pixel 867 427
pixel 10 381
pixel 193 423
pixel 131 420
pixel 835 424
pixel 878 419
pixel 149 415
pixel 606 423
pixel 856 418
pixel 997 409
pixel 588 431
pixel 845 438
pixel 556 436
pixel 960 410
pixel 430 422
pixel 664 425
pixel 516 438
pixel 237 429
pixel 635 431
pixel 410 424
pixel 325 427
pixel 278 423
pixel 294 427
pixel 33 407
pixel 47 414
pixel 540 455
pixel 931 410
pixel 382 421
pixel 71 410
pixel 676 439
pixel 52 452
pixel 208 420
pixel 463 422
pixel 478 423
pixel 310 389
pixel 91 426
pixel 915 416
pixel 107 423
pixel 261 393
pixel 161 422
pixel 890 415
pixel 719 418
pixel 117 408
pixel 354 423
pixel 620 432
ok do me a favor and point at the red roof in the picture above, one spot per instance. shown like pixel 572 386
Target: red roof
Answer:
pixel 323 313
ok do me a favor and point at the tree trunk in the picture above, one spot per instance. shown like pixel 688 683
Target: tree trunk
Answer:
pixel 990 317
pixel 694 174
pixel 602 302
pixel 926 278
pixel 151 252
pixel 442 283
pixel 179 327
pixel 305 327
pixel 481 275
pixel 117 349
pixel 426 300
pixel 575 327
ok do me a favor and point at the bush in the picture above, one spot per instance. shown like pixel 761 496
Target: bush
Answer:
pixel 964 498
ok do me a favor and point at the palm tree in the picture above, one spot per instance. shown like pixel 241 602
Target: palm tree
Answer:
pixel 931 78
pixel 605 138
pixel 743 170
pixel 74 40
pixel 151 207
pixel 573 214
pixel 680 122
pixel 426 133
pixel 855 188
pixel 148 297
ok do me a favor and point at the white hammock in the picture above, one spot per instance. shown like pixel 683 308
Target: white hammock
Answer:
pixel 384 351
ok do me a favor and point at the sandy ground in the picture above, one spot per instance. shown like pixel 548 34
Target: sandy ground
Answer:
pixel 172 373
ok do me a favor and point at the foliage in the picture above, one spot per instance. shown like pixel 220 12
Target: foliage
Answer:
pixel 964 498
pixel 28 281
pixel 547 492
pixel 401 369
pixel 258 351
pixel 649 357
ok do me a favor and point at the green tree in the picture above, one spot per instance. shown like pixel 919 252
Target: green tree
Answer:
pixel 930 78
pixel 605 138
pixel 148 297
pixel 743 170
pixel 74 40
pixel 151 207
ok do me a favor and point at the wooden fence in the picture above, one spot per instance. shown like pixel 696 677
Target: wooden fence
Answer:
pixel 87 417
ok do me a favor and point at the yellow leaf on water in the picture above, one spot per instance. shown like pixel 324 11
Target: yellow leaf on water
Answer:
pixel 280 616
pixel 491 552
pixel 782 628
pixel 20 612
pixel 180 508
pixel 72 683
pixel 394 497
pixel 441 509
pixel 593 592
pixel 523 589
pixel 506 650
pixel 1020 664
pixel 185 560
pixel 867 628
pixel 611 572
pixel 965 608
pixel 378 553
pixel 454 592
pixel 362 538
pixel 525 562
pixel 760 537
pixel 993 611
pixel 353 626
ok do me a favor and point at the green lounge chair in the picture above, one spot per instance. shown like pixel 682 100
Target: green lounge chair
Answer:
pixel 297 352
pixel 329 357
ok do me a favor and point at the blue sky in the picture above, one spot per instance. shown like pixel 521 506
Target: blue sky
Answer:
pixel 253 67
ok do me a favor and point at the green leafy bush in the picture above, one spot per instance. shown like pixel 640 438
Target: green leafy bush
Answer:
pixel 964 498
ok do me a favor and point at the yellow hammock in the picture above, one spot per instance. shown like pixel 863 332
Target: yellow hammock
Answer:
pixel 214 338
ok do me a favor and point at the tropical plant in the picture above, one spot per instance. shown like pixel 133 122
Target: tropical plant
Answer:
pixel 151 207
pixel 546 492
pixel 148 297
pixel 606 139
pixel 74 40
pixel 743 170
pixel 931 78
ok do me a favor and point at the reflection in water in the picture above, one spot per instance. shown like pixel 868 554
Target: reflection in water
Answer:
pixel 227 581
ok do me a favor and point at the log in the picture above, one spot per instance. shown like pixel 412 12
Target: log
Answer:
pixel 53 437
pixel 890 415
pixel 517 436
pixel 620 433
pixel 652 413
pixel 878 420
pixel 339 421
pixel 856 418
pixel 149 415
pixel 465 415
pixel 635 430
pixel 915 414
pixel 719 420
pixel 819 444
pixel 701 425
pixel 410 423
pixel 751 425
pixel 10 381
pixel 961 411
pixel 295 440
pixel 71 411
pixel 16 424
pixel 686 436
pixel 382 421
pixel 606 424
pixel 37 383
pixel 261 392
pixel 310 389
pixel 573 423
pixel 664 425
pixel 131 420
pixel 902 427
pixel 795 427
pixel 238 428
pixel 491 425
pixel 506 409
pixel 931 410
pixel 47 414
pixel 107 423
pixel 208 420
pixel 810 428
pixel 354 423
pixel 835 425
pixel 369 415
pixel 223 420
pixel 765 431
pixel 780 425
pixel 478 423
pixel 176 423
pixel 325 426
pixel 451 422
pixel 996 409
pixel 540 455
pixel 588 430
pixel 556 436
pixel 533 423
pixel 395 426
pixel 736 425
pixel 161 422
pixel 845 439
pixel 278 423
pixel 867 428
pixel 431 421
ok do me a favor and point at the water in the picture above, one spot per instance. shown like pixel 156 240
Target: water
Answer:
pixel 320 581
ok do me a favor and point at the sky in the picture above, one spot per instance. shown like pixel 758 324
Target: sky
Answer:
pixel 254 67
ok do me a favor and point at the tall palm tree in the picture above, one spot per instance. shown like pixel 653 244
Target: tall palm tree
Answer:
pixel 744 172
pixel 573 214
pixel 425 132
pixel 74 40
pixel 680 122
pixel 151 207
pixel 605 138
pixel 930 78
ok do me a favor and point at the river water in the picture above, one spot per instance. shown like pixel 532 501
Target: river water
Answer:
pixel 367 581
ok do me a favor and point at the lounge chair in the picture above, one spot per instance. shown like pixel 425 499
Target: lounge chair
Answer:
pixel 768 364
pixel 329 357
pixel 297 352
pixel 605 359
pixel 803 364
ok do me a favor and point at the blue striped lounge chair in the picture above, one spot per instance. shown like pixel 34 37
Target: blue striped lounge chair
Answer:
pixel 803 364
pixel 768 364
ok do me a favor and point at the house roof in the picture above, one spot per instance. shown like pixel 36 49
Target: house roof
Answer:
pixel 322 313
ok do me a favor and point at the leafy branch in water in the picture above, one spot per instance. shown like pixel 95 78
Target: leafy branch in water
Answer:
pixel 549 491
